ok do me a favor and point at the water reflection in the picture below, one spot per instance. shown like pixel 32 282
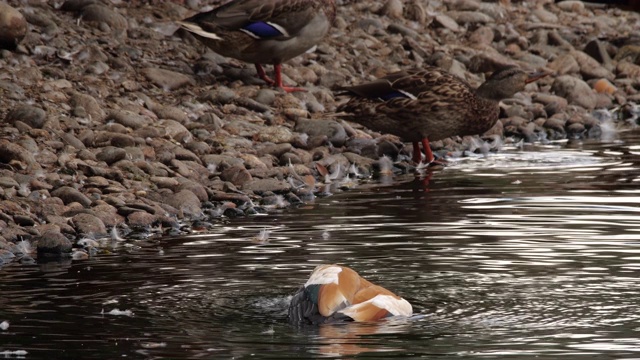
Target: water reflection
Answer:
pixel 522 254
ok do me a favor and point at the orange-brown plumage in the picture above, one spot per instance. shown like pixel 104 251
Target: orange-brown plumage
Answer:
pixel 336 292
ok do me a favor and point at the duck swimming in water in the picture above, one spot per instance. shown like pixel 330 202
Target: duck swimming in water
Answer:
pixel 338 293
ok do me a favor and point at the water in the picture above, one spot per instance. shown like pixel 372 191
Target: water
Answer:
pixel 525 254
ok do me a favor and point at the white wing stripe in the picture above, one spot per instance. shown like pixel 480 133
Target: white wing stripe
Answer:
pixel 198 30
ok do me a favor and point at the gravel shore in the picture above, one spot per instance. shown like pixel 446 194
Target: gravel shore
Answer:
pixel 116 123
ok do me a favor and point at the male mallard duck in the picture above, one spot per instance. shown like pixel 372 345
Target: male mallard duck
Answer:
pixel 264 31
pixel 430 104
pixel 335 292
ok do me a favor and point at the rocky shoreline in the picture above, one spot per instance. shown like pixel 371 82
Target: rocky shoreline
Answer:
pixel 114 123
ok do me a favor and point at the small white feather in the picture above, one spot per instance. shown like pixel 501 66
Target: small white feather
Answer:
pixel 281 29
pixel 250 34
pixel 324 274
pixel 408 94
pixel 196 29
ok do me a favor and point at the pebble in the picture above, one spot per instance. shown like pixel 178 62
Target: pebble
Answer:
pixel 52 243
pixel 575 90
pixel 13 27
pixel 167 79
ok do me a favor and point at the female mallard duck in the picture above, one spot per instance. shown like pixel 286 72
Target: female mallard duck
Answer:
pixel 335 292
pixel 264 31
pixel 431 104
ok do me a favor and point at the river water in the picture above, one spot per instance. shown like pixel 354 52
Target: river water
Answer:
pixel 529 253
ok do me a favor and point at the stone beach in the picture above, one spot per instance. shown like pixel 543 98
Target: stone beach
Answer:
pixel 116 123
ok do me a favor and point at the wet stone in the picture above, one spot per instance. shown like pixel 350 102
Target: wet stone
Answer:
pixel 263 185
pixel 53 243
pixel 186 202
pixel 237 175
pixel 89 225
pixel 141 219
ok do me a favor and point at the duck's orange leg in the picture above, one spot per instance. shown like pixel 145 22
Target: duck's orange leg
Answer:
pixel 427 150
pixel 263 75
pixel 278 70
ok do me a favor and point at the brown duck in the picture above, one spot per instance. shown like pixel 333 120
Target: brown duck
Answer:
pixel 431 104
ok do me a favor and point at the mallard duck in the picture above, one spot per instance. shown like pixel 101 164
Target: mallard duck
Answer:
pixel 335 293
pixel 431 104
pixel 264 31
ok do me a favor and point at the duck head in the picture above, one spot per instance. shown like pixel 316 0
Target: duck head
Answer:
pixel 506 82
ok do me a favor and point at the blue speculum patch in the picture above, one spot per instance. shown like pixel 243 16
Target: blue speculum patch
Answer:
pixel 393 95
pixel 262 30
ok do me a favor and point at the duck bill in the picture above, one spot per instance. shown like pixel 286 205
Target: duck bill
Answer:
pixel 536 76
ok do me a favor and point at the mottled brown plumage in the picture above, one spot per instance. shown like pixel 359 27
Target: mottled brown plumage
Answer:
pixel 431 104
pixel 264 31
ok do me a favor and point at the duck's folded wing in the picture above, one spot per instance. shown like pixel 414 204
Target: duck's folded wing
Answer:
pixel 263 18
pixel 378 307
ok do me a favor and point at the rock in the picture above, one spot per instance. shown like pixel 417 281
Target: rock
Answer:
pixel 236 175
pixel 141 219
pixel 196 188
pixel 111 154
pixel 564 64
pixel 52 243
pixel 575 91
pixel 13 27
pixel 89 225
pixel 186 202
pixel 469 17
pixel 129 119
pixel 590 68
pixel 97 13
pixel 108 214
pixel 8 182
pixel 175 130
pixel 334 132
pixel 604 86
pixel 598 50
pixel 11 153
pixel 89 104
pixel 30 115
pixel 70 195
pixel 446 22
pixel 276 134
pixel 393 9
pixel 167 79
pixel 264 185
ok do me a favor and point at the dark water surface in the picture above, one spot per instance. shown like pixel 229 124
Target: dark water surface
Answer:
pixel 531 253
